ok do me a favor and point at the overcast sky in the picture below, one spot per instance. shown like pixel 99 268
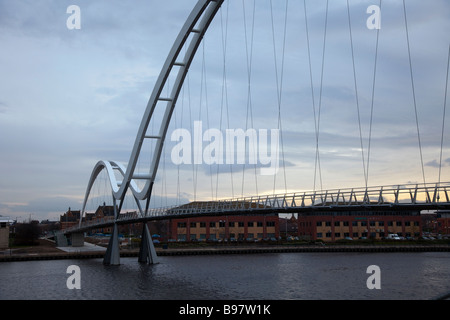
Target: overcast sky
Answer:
pixel 71 97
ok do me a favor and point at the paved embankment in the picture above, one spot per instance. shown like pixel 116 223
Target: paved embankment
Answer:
pixel 89 253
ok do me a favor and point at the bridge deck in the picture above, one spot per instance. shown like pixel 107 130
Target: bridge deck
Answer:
pixel 384 198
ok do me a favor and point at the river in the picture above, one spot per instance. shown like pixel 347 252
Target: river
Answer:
pixel 275 276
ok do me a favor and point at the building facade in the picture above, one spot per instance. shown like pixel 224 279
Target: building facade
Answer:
pixel 332 226
pixel 69 219
pixel 230 228
pixel 443 222
pixel 4 232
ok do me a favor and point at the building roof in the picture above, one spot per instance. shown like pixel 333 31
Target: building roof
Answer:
pixel 5 219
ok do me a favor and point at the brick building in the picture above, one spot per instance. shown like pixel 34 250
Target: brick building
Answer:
pixel 102 213
pixel 252 227
pixel 332 226
pixel 69 219
pixel 443 222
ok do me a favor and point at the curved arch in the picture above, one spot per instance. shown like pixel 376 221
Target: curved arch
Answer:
pixel 193 29
pixel 109 166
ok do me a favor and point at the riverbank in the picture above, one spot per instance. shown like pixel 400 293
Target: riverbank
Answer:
pixel 89 252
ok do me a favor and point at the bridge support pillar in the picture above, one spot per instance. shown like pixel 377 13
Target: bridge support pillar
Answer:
pixel 77 239
pixel 112 255
pixel 147 252
pixel 61 239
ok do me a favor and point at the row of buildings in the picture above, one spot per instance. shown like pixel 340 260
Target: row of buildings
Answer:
pixel 325 226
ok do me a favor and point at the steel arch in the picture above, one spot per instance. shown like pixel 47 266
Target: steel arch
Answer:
pixel 193 29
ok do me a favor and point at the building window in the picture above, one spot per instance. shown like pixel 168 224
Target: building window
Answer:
pixel 221 224
pixel 337 223
pixel 328 223
pixel 202 224
pixel 346 223
pixel 355 223
pixel 270 223
pixel 337 234
pixel 231 224
pixel 193 225
pixel 355 235
pixel 259 224
pixel 328 234
pixel 212 224
pixel 319 224
pixel 250 224
pixel 241 224
pixel 319 235
pixel 381 223
pixel 407 223
pixel 181 225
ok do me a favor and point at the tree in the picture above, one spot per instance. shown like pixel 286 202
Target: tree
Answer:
pixel 26 233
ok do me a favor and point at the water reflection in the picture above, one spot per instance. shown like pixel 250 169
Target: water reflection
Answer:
pixel 261 276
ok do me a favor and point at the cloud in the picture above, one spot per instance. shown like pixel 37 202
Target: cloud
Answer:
pixel 69 98
pixel 41 208
pixel 3 107
pixel 436 164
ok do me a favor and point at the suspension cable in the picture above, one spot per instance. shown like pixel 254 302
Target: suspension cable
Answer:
pixel 224 100
pixel 356 92
pixel 320 101
pixel 249 56
pixel 279 83
pixel 207 110
pixel 312 91
pixel 414 93
pixel 443 116
pixel 372 102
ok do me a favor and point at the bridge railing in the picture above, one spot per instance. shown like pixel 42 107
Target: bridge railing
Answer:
pixel 412 194
pixel 394 195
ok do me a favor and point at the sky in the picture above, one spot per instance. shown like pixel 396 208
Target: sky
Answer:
pixel 71 97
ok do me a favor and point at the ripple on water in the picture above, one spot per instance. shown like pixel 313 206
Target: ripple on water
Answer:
pixel 263 276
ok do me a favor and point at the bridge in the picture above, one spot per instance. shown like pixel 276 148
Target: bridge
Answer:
pixel 136 180
pixel 399 197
